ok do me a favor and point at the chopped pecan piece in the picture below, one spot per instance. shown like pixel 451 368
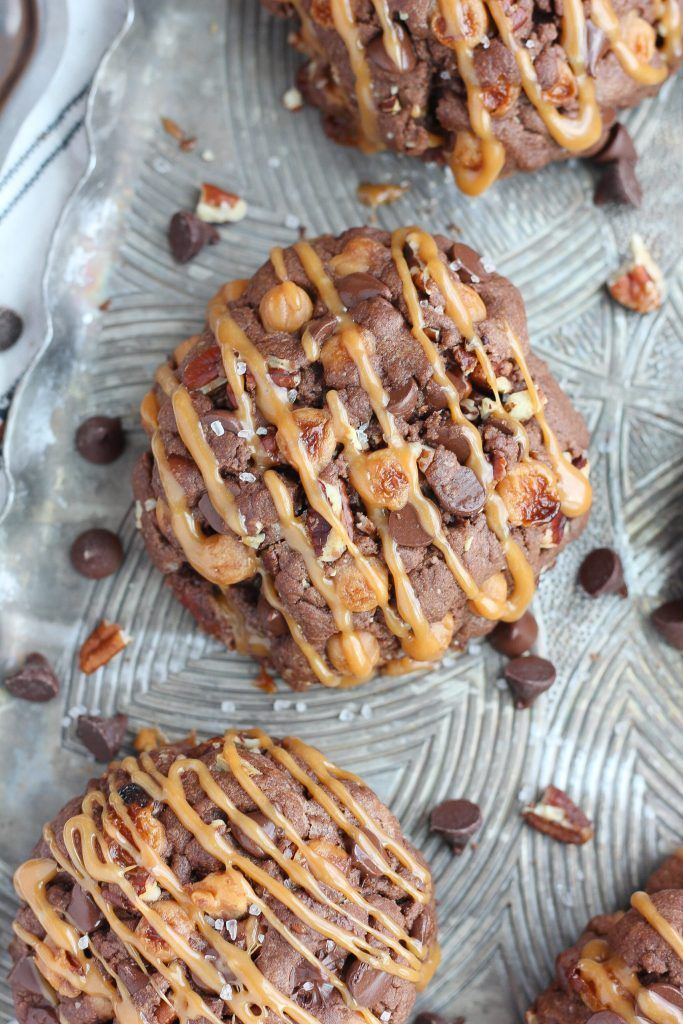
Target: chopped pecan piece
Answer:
pixel 639 284
pixel 105 641
pixel 559 817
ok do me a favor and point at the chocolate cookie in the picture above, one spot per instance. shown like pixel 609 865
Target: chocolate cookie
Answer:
pixel 625 966
pixel 486 87
pixel 239 879
pixel 359 464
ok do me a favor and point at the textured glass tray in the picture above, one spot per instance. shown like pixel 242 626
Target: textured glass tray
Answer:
pixel 610 731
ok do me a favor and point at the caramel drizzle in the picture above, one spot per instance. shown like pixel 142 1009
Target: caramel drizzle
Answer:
pixel 421 640
pixel 616 987
pixel 95 859
pixel 574 133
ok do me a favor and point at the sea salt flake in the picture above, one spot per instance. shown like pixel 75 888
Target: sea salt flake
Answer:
pixel 282 705
pixel 226 991
pixel 347 715
pixel 385 1016
pixel 244 433
pixel 217 428
pixel 301 706
pixel 83 942
pixel 219 924
pixel 241 367
pixel 231 929
pixel 292 221
pixel 247 478
pixel 254 910
pixel 261 431
pixel 228 706
pixel 366 711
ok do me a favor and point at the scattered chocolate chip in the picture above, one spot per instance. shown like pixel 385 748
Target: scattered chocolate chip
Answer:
pixel 424 926
pixel 436 396
pixel 187 236
pixel 618 183
pixel 83 911
pixel 11 326
pixel 26 976
pixel 456 821
pixel 366 985
pixel 668 620
pixel 215 521
pixel 96 553
pixel 619 146
pixel 367 865
pixel 515 638
pixel 407 530
pixel 528 678
pixel 34 681
pixel 376 52
pixel 358 287
pixel 605 1017
pixel 468 263
pixel 246 842
pixel 100 439
pixel 459 491
pixel 602 573
pixel 455 439
pixel 102 736
pixel 134 795
pixel 402 400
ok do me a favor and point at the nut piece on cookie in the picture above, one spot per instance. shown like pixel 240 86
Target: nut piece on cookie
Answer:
pixel 639 283
pixel 200 861
pixel 557 816
pixel 336 482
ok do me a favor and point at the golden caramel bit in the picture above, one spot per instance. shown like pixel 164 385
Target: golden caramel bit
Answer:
pixel 639 36
pixel 383 480
pixel 352 587
pixel 337 654
pixel 285 307
pixel 221 894
pixel 316 436
pixel 529 494
pixel 358 256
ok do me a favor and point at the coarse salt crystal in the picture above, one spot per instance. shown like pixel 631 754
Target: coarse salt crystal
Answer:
pixel 291 395
pixel 254 910
pixel 385 1016
pixel 301 706
pixel 247 478
pixel 228 705
pixel 231 929
pixel 208 156
pixel 261 431
pixel 226 991
pixel 346 715
pixel 219 924
pixel 274 162
pixel 281 705
pixel 366 711
pixel 217 428
pixel 292 221
pixel 241 367
pixel 150 504
pixel 244 433
pixel 83 942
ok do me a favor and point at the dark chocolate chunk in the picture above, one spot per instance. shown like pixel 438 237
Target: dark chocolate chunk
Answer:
pixel 402 400
pixel 468 262
pixel 455 439
pixel 100 439
pixel 134 795
pixel 83 911
pixel 618 147
pixel 457 487
pixel 34 681
pixel 220 420
pixel 424 926
pixel 368 866
pixel 377 53
pixel 406 528
pixel 322 328
pixel 102 736
pixel 187 236
pixel 515 638
pixel 11 326
pixel 358 287
pixel 26 976
pixel 318 529
pixel 602 573
pixel 618 183
pixel 669 993
pixel 456 821
pixel 668 620
pixel 528 678
pixel 366 984
pixel 216 522
pixel 96 553
pixel 246 842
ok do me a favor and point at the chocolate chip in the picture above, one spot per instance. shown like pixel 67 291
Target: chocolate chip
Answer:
pixel 668 620
pixel 358 287
pixel 458 489
pixel 26 976
pixel 11 326
pixel 377 53
pixel 322 329
pixel 455 439
pixel 318 529
pixel 96 553
pixel 246 842
pixel 618 183
pixel 225 420
pixel 402 400
pixel 456 821
pixel 83 911
pixel 100 439
pixel 619 146
pixel 367 865
pixel 436 396
pixel 134 795
pixel 187 236
pixel 528 678
pixel 605 1017
pixel 407 530
pixel 515 638
pixel 102 736
pixel 366 984
pixel 34 681
pixel 669 993
pixel 602 573
pixel 215 521
pixel 424 926
pixel 468 262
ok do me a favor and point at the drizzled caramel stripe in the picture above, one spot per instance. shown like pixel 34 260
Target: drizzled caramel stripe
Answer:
pixel 345 24
pixel 93 860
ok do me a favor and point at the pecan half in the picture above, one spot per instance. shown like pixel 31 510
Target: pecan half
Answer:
pixel 557 816
pixel 105 641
